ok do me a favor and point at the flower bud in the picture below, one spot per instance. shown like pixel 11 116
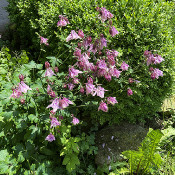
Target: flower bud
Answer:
pixel 47 65
pixel 21 77
pixel 82 90
pixel 52 94
pixel 22 101
pixel 56 69
pixel 80 33
pixel 110 22
pixel 97 8
pixel 130 80
pixel 79 45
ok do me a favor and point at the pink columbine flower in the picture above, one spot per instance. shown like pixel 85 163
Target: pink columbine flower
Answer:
pixel 103 106
pixel 74 72
pixel 89 88
pixel 103 42
pixel 50 138
pixel 63 21
pixel 129 92
pixel 111 100
pixel 124 66
pixel 54 105
pixel 16 93
pixel 72 36
pixel 158 59
pixel 23 87
pixel 22 101
pixel 44 41
pixel 113 31
pixel 75 121
pixel 55 122
pixel 49 72
pixel 105 14
pixel 64 103
pixel 156 73
pixel 116 73
pixel 99 91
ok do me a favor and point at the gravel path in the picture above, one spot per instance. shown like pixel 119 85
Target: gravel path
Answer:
pixel 3 16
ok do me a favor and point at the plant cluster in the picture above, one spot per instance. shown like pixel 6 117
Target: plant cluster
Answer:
pixel 97 78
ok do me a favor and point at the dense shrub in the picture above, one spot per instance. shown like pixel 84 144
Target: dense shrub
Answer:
pixel 142 26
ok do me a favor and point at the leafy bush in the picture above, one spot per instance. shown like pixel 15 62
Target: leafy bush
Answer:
pixel 142 26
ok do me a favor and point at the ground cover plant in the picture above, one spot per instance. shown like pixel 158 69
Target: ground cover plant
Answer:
pixel 42 109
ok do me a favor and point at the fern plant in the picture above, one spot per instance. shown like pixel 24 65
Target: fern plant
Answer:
pixel 146 158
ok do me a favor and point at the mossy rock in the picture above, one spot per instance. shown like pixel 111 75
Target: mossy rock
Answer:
pixel 115 139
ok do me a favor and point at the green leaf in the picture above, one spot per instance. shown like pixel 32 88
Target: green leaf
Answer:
pixel 66 160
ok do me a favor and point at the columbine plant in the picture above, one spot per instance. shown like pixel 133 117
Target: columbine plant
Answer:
pixel 94 66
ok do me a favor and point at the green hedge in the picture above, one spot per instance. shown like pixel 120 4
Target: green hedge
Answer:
pixel 143 25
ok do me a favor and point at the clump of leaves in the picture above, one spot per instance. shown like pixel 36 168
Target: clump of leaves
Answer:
pixel 146 158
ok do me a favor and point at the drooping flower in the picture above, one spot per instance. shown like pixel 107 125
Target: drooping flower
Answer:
pixel 75 121
pixel 111 100
pixel 158 59
pixel 65 102
pixel 54 122
pixel 103 106
pixel 99 91
pixel 105 14
pixel 50 138
pixel 113 31
pixel 103 42
pixel 23 87
pixel 49 72
pixel 129 92
pixel 54 105
pixel 116 73
pixel 89 88
pixel 16 93
pixel 44 41
pixel 74 72
pixel 63 21
pixel 72 36
pixel 156 73
pixel 124 66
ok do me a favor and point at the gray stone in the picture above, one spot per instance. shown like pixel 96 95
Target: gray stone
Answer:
pixel 4 20
pixel 113 140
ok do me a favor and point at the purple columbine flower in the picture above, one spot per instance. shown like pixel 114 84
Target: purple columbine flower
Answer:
pixel 113 31
pixel 80 33
pixel 50 138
